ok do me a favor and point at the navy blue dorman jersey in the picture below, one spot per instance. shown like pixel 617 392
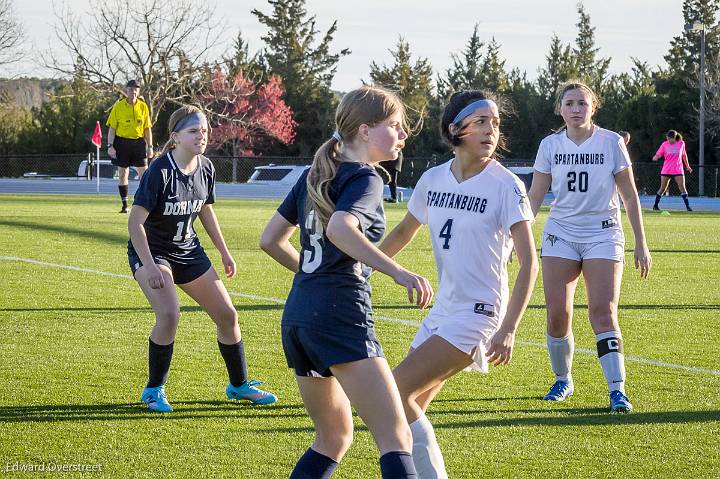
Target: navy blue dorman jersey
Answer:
pixel 330 291
pixel 174 200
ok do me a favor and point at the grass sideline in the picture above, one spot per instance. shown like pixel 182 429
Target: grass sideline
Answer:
pixel 74 345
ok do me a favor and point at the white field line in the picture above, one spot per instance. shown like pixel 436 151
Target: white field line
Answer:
pixel 407 322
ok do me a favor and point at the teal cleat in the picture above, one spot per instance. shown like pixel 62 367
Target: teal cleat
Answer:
pixel 560 391
pixel 156 399
pixel 620 402
pixel 249 392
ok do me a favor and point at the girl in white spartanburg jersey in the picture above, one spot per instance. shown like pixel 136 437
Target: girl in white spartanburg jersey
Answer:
pixel 476 211
pixel 587 167
pixel 469 226
pixel 586 207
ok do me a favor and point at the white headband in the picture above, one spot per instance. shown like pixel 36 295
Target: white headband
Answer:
pixel 471 108
pixel 194 119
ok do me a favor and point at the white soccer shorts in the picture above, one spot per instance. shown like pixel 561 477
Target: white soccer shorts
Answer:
pixel 553 246
pixel 470 333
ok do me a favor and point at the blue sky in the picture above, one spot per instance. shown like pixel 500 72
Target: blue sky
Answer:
pixel 624 29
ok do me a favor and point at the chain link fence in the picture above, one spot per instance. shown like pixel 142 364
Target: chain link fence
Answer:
pixel 239 169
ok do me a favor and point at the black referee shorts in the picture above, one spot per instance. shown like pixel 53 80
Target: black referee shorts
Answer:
pixel 129 152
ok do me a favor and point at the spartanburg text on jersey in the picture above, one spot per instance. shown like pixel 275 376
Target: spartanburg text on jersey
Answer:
pixel 174 200
pixel 330 291
pixel 469 224
pixel 586 208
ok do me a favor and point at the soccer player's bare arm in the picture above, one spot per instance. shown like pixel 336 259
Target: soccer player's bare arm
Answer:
pixel 501 344
pixel 275 241
pixel 212 226
pixel 685 162
pixel 400 236
pixel 539 188
pixel 343 230
pixel 626 188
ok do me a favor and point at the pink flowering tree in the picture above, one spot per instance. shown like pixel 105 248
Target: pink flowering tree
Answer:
pixel 246 114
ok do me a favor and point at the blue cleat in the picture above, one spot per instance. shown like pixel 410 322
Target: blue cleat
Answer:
pixel 560 391
pixel 155 399
pixel 249 392
pixel 620 402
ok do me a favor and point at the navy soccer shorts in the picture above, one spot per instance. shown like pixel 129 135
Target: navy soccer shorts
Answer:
pixel 311 352
pixel 183 271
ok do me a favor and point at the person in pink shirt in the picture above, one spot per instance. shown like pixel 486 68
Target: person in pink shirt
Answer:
pixel 673 150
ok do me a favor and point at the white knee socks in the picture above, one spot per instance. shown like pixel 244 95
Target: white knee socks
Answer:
pixel 561 356
pixel 612 359
pixel 426 452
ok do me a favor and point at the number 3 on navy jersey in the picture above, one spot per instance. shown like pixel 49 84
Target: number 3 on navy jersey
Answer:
pixel 446 233
pixel 312 258
pixel 581 180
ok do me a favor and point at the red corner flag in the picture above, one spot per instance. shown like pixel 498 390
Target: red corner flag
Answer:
pixel 97 135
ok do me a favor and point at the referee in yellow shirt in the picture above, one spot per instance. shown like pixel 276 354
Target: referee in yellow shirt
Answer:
pixel 129 137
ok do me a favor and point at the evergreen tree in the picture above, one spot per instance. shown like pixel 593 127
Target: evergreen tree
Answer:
pixel 16 122
pixel 472 69
pixel 242 61
pixel 559 66
pixel 525 123
pixel 306 65
pixel 677 87
pixel 713 91
pixel 589 68
pixel 413 83
pixel 492 74
pixel 579 61
pixel 465 74
pixel 630 103
pixel 683 56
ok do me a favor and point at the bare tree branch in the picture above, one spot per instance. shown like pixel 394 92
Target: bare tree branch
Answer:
pixel 11 34
pixel 162 44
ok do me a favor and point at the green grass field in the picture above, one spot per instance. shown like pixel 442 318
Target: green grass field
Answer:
pixel 73 362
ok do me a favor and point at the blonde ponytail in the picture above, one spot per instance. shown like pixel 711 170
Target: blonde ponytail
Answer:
pixel 368 105
pixel 322 173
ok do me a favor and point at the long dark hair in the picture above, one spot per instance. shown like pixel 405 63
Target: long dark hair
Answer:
pixel 457 102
